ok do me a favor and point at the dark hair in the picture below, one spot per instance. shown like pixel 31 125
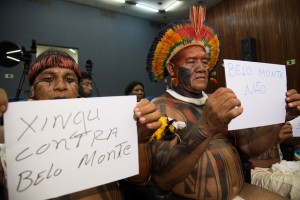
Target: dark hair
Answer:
pixel 85 75
pixel 131 85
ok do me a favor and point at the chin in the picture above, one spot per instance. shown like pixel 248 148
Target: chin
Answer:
pixel 199 88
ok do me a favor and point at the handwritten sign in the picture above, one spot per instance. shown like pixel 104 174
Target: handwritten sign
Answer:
pixel 261 88
pixel 57 147
pixel 296 126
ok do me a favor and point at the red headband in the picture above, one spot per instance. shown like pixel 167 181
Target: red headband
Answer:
pixel 49 59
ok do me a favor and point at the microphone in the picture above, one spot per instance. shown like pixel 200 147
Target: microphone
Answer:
pixel 89 66
pixel 33 46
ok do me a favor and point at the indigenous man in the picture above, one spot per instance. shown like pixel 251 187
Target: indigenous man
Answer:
pixel 54 75
pixel 203 162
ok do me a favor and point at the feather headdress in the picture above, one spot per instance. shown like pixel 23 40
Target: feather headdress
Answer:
pixel 179 35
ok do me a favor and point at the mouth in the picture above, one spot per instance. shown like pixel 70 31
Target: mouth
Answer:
pixel 201 78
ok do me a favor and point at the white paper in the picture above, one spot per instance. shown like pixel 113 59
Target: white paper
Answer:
pixel 296 126
pixel 57 147
pixel 261 88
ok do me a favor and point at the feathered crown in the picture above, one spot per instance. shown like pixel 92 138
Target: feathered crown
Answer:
pixel 178 35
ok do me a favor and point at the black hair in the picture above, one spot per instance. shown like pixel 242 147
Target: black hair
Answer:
pixel 131 85
pixel 85 75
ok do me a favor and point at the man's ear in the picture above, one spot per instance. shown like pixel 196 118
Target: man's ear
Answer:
pixel 171 69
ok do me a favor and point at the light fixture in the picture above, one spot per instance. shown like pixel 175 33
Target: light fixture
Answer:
pixel 139 5
pixel 172 5
pixel 146 7
pixel 15 51
pixel 9 57
pixel 120 1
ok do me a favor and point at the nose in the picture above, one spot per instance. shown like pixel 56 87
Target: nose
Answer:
pixel 60 85
pixel 201 67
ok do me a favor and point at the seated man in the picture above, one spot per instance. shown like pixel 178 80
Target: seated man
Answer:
pixel 273 173
pixel 55 75
pixel 202 162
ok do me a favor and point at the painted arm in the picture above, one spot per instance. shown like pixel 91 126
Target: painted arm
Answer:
pixel 256 141
pixel 3 108
pixel 147 115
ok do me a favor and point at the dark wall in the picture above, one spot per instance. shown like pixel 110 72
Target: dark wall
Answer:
pixel 274 24
pixel 117 44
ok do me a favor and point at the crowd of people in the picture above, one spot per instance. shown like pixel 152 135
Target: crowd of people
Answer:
pixel 202 159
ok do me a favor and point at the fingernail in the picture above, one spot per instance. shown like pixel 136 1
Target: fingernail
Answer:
pixel 2 108
pixel 142 119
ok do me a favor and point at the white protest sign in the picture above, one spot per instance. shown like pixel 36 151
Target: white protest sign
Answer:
pixel 57 147
pixel 261 88
pixel 296 126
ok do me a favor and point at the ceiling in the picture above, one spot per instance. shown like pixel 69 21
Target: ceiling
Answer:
pixel 179 12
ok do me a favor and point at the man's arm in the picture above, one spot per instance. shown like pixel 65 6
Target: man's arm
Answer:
pixel 255 141
pixel 3 108
pixel 147 122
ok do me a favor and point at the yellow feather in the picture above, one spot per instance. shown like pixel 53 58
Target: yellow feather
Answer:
pixel 157 135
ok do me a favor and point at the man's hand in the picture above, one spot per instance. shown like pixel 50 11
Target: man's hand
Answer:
pixel 220 108
pixel 293 105
pixel 285 133
pixel 3 108
pixel 3 102
pixel 147 115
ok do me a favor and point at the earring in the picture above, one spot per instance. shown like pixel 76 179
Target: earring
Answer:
pixel 175 81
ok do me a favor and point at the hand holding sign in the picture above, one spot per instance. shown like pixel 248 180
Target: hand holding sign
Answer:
pixel 261 88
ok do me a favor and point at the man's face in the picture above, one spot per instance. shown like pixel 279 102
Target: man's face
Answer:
pixel 86 85
pixel 191 69
pixel 55 83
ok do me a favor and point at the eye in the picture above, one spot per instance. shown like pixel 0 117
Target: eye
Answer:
pixel 48 79
pixel 70 80
pixel 205 61
pixel 191 61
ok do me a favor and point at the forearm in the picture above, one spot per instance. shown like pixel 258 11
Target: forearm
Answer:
pixel 258 140
pixel 172 164
pixel 145 156
pixel 145 161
